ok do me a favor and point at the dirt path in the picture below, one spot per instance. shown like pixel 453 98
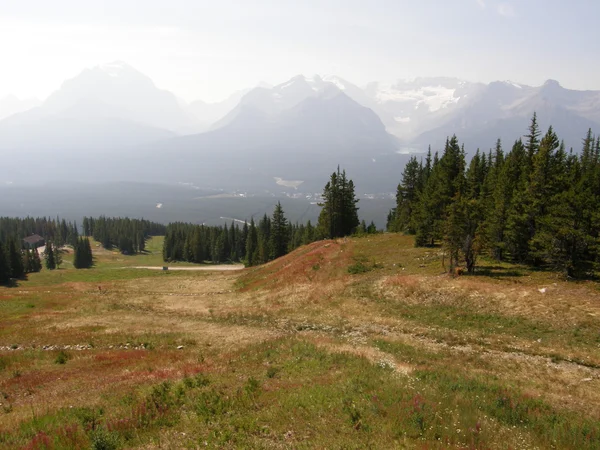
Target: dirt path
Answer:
pixel 219 267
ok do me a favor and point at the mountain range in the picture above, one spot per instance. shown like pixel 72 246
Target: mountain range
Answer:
pixel 282 137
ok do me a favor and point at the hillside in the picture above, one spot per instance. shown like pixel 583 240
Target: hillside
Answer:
pixel 354 343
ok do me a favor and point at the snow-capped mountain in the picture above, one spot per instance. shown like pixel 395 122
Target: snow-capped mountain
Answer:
pixel 503 110
pixel 274 100
pixel 10 105
pixel 411 107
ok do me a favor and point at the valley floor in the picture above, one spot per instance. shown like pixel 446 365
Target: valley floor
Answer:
pixel 341 344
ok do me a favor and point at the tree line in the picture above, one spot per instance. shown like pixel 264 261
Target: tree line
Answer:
pixel 128 235
pixel 536 204
pixel 252 243
pixel 59 231
pixel 15 262
pixel 272 236
pixel 17 259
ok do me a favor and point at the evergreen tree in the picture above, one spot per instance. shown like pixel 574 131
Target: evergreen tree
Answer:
pixel 280 236
pixel 36 262
pixel 5 269
pixel 27 261
pixel 49 256
pixel 339 213
pixel 309 234
pixel 532 143
pixel 506 182
pixel 406 197
pixel 263 250
pixel 536 204
pixel 83 258
pixel 86 227
pixel 251 244
pixel 58 259
pixel 441 187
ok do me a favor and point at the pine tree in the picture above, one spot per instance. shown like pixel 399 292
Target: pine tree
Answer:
pixel 58 259
pixel 16 260
pixel 27 261
pixel 309 233
pixel 82 258
pixel 441 187
pixel 5 269
pixel 241 242
pixel 49 256
pixel 339 213
pixel 520 221
pixel 219 249
pixel 89 257
pixel 532 143
pixel 455 230
pixel 280 236
pixel 251 244
pixel 36 262
pixel 406 197
pixel 508 176
pixel 372 229
pixel 86 227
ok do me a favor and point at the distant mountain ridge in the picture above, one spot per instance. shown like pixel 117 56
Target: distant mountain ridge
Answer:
pixel 296 130
pixel 262 141
pixel 502 110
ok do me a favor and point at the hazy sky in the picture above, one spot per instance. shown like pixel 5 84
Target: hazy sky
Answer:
pixel 207 49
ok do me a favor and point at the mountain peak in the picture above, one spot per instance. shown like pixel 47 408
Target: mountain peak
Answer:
pixel 552 83
pixel 116 68
pixel 315 82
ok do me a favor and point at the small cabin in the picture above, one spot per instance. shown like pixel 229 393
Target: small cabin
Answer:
pixel 34 241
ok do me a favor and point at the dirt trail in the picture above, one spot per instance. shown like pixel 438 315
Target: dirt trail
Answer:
pixel 219 267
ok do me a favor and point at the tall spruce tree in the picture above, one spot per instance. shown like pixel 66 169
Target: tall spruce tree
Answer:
pixel 5 269
pixel 58 258
pixel 441 187
pixel 406 197
pixel 280 236
pixel 509 173
pixel 339 213
pixel 49 256
pixel 16 260
pixel 251 244
pixel 83 258
pixel 36 262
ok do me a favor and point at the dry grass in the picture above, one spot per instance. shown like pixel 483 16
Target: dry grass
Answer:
pixel 124 330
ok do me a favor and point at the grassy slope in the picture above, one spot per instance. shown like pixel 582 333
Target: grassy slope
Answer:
pixel 301 353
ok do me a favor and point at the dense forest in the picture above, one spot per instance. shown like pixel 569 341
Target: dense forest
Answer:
pixel 536 204
pixel 272 237
pixel 60 232
pixel 128 235
pixel 18 259
pixel 251 243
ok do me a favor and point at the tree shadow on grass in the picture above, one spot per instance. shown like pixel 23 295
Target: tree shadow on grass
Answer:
pixel 13 282
pixel 495 271
pixel 498 272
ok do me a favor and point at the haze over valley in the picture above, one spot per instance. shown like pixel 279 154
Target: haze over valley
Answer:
pixel 111 123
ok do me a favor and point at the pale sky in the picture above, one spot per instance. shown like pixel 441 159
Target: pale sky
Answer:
pixel 207 49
